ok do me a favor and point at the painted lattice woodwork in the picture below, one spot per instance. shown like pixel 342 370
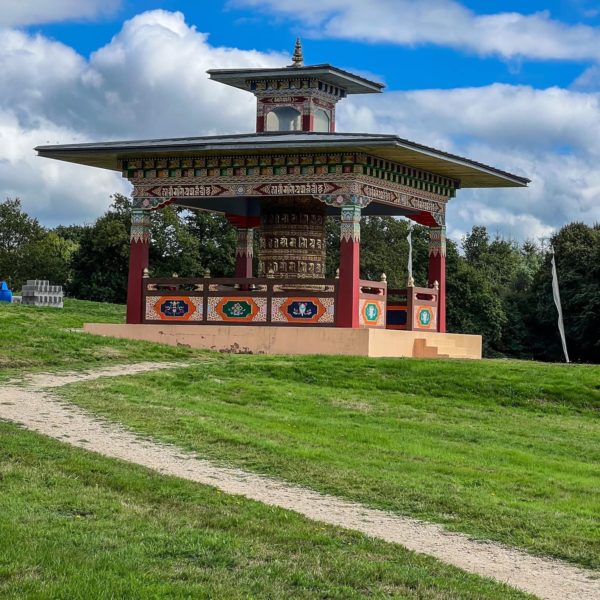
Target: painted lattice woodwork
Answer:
pixel 325 176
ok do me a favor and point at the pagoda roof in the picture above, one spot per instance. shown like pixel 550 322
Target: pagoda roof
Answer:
pixel 468 173
pixel 351 83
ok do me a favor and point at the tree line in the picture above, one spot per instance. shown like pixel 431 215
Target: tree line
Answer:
pixel 498 288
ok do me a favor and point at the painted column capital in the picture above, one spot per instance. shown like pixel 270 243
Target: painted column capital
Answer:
pixel 437 241
pixel 140 226
pixel 245 242
pixel 350 230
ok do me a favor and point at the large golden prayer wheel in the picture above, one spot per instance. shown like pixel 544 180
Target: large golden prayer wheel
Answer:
pixel 292 238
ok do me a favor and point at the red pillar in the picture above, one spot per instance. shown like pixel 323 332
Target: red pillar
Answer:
pixel 244 252
pixel 437 269
pixel 348 285
pixel 138 261
pixel 260 124
pixel 308 122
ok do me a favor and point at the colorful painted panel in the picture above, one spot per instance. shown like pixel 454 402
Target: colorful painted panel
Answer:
pixel 372 313
pixel 237 309
pixel 303 309
pixel 425 318
pixel 173 308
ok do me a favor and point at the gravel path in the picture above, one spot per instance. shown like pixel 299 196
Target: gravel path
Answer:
pixel 34 407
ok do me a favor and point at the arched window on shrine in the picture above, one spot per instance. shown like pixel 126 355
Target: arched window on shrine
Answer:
pixel 284 118
pixel 322 121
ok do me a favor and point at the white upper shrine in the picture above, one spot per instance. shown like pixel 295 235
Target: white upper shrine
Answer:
pixel 297 97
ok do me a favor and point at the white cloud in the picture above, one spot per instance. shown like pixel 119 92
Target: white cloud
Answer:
pixel 588 80
pixel 150 81
pixel 18 13
pixel 52 191
pixel 546 135
pixel 443 23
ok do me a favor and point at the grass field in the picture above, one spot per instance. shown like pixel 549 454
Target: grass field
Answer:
pixel 33 338
pixel 74 526
pixel 502 450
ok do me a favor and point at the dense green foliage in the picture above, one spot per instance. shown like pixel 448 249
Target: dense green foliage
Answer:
pixel 495 287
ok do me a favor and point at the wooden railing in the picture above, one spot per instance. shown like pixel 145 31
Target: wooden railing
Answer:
pixel 412 309
pixel 209 301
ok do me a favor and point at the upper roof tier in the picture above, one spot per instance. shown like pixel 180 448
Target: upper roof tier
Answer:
pixel 467 173
pixel 350 83
pixel 347 83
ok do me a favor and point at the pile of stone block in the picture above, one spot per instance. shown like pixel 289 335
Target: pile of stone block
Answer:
pixel 38 292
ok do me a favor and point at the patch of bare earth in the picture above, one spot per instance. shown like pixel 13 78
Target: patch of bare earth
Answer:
pixel 33 406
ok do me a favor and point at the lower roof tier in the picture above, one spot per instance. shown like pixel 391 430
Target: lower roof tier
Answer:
pixel 386 150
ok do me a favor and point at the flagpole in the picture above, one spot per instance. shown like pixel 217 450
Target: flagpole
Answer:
pixel 556 296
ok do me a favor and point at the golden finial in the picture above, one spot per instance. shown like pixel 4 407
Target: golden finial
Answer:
pixel 298 58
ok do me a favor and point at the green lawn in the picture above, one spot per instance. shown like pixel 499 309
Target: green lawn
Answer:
pixel 33 338
pixel 508 451
pixel 502 450
pixel 74 525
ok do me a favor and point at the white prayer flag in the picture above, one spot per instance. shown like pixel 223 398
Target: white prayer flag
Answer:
pixel 556 295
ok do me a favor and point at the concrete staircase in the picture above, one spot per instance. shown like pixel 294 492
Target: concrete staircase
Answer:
pixel 444 347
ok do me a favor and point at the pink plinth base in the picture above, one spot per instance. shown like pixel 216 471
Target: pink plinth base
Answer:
pixel 300 340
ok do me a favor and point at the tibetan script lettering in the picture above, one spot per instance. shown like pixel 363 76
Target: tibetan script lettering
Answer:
pixel 379 194
pixel 291 189
pixel 185 191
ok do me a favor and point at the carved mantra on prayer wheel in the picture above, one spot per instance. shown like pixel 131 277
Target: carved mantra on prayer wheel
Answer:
pixel 292 240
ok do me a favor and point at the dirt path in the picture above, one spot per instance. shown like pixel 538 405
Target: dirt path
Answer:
pixel 31 405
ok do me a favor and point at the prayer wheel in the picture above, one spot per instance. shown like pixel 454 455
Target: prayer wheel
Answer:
pixel 292 239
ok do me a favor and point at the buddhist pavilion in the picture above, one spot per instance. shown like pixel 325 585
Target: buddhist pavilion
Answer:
pixel 283 181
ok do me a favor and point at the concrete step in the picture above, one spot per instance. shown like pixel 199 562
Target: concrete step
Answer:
pixel 444 348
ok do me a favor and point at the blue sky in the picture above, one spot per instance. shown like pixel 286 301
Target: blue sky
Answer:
pixel 401 68
pixel 513 84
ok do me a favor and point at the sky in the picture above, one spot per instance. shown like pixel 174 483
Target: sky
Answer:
pixel 512 84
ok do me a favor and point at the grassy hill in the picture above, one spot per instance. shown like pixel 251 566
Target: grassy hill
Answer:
pixel 501 450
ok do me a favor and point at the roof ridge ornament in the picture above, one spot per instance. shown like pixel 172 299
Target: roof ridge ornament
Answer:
pixel 298 58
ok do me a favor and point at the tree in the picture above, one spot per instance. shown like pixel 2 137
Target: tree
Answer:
pixel 215 241
pixel 49 257
pixel 29 251
pixel 383 249
pixel 100 264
